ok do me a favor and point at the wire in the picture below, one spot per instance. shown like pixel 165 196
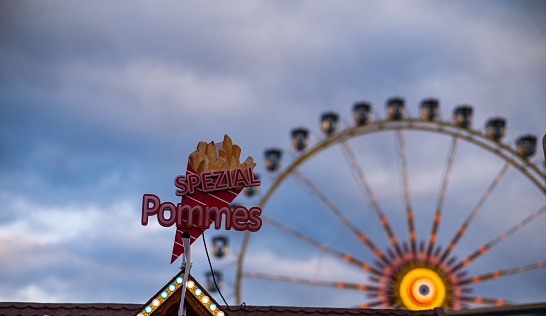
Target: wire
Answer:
pixel 214 279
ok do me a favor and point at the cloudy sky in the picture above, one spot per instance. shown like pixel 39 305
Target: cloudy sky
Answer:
pixel 102 102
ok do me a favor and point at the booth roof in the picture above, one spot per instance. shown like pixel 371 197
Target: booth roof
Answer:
pixel 67 309
pixel 306 311
pixel 106 309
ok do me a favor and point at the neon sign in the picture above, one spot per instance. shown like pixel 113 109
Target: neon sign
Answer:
pixel 201 216
pixel 213 179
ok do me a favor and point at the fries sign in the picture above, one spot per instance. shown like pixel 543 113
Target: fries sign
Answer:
pixel 213 179
pixel 202 215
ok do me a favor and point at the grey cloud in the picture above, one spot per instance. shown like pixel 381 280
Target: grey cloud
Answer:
pixel 101 103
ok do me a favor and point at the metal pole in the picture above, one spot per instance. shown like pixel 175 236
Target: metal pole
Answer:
pixel 185 265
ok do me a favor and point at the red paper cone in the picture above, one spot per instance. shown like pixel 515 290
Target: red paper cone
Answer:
pixel 217 199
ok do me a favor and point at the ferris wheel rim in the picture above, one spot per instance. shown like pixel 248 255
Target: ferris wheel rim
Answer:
pixel 476 137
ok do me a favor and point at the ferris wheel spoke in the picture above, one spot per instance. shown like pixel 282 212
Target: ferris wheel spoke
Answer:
pixel 480 300
pixel 373 199
pixel 462 230
pixel 370 304
pixel 321 246
pixel 500 273
pixel 438 213
pixel 483 249
pixel 313 282
pixel 331 207
pixel 407 198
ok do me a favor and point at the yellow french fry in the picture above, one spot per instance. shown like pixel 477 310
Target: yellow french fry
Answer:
pixel 201 146
pixel 210 152
pixel 236 152
pixel 227 145
pixel 233 163
pixel 224 164
pixel 203 166
pixel 249 161
pixel 195 158
pixel 221 164
pixel 215 166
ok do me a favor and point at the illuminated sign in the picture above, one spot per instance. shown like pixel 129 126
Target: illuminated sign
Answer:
pixel 213 179
pixel 202 215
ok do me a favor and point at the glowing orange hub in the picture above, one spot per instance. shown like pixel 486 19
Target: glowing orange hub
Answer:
pixel 422 288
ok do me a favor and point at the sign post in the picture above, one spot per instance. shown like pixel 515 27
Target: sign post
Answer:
pixel 186 266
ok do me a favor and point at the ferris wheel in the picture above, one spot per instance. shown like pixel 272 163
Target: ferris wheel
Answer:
pixel 367 211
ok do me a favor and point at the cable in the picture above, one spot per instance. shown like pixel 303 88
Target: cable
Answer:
pixel 214 279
